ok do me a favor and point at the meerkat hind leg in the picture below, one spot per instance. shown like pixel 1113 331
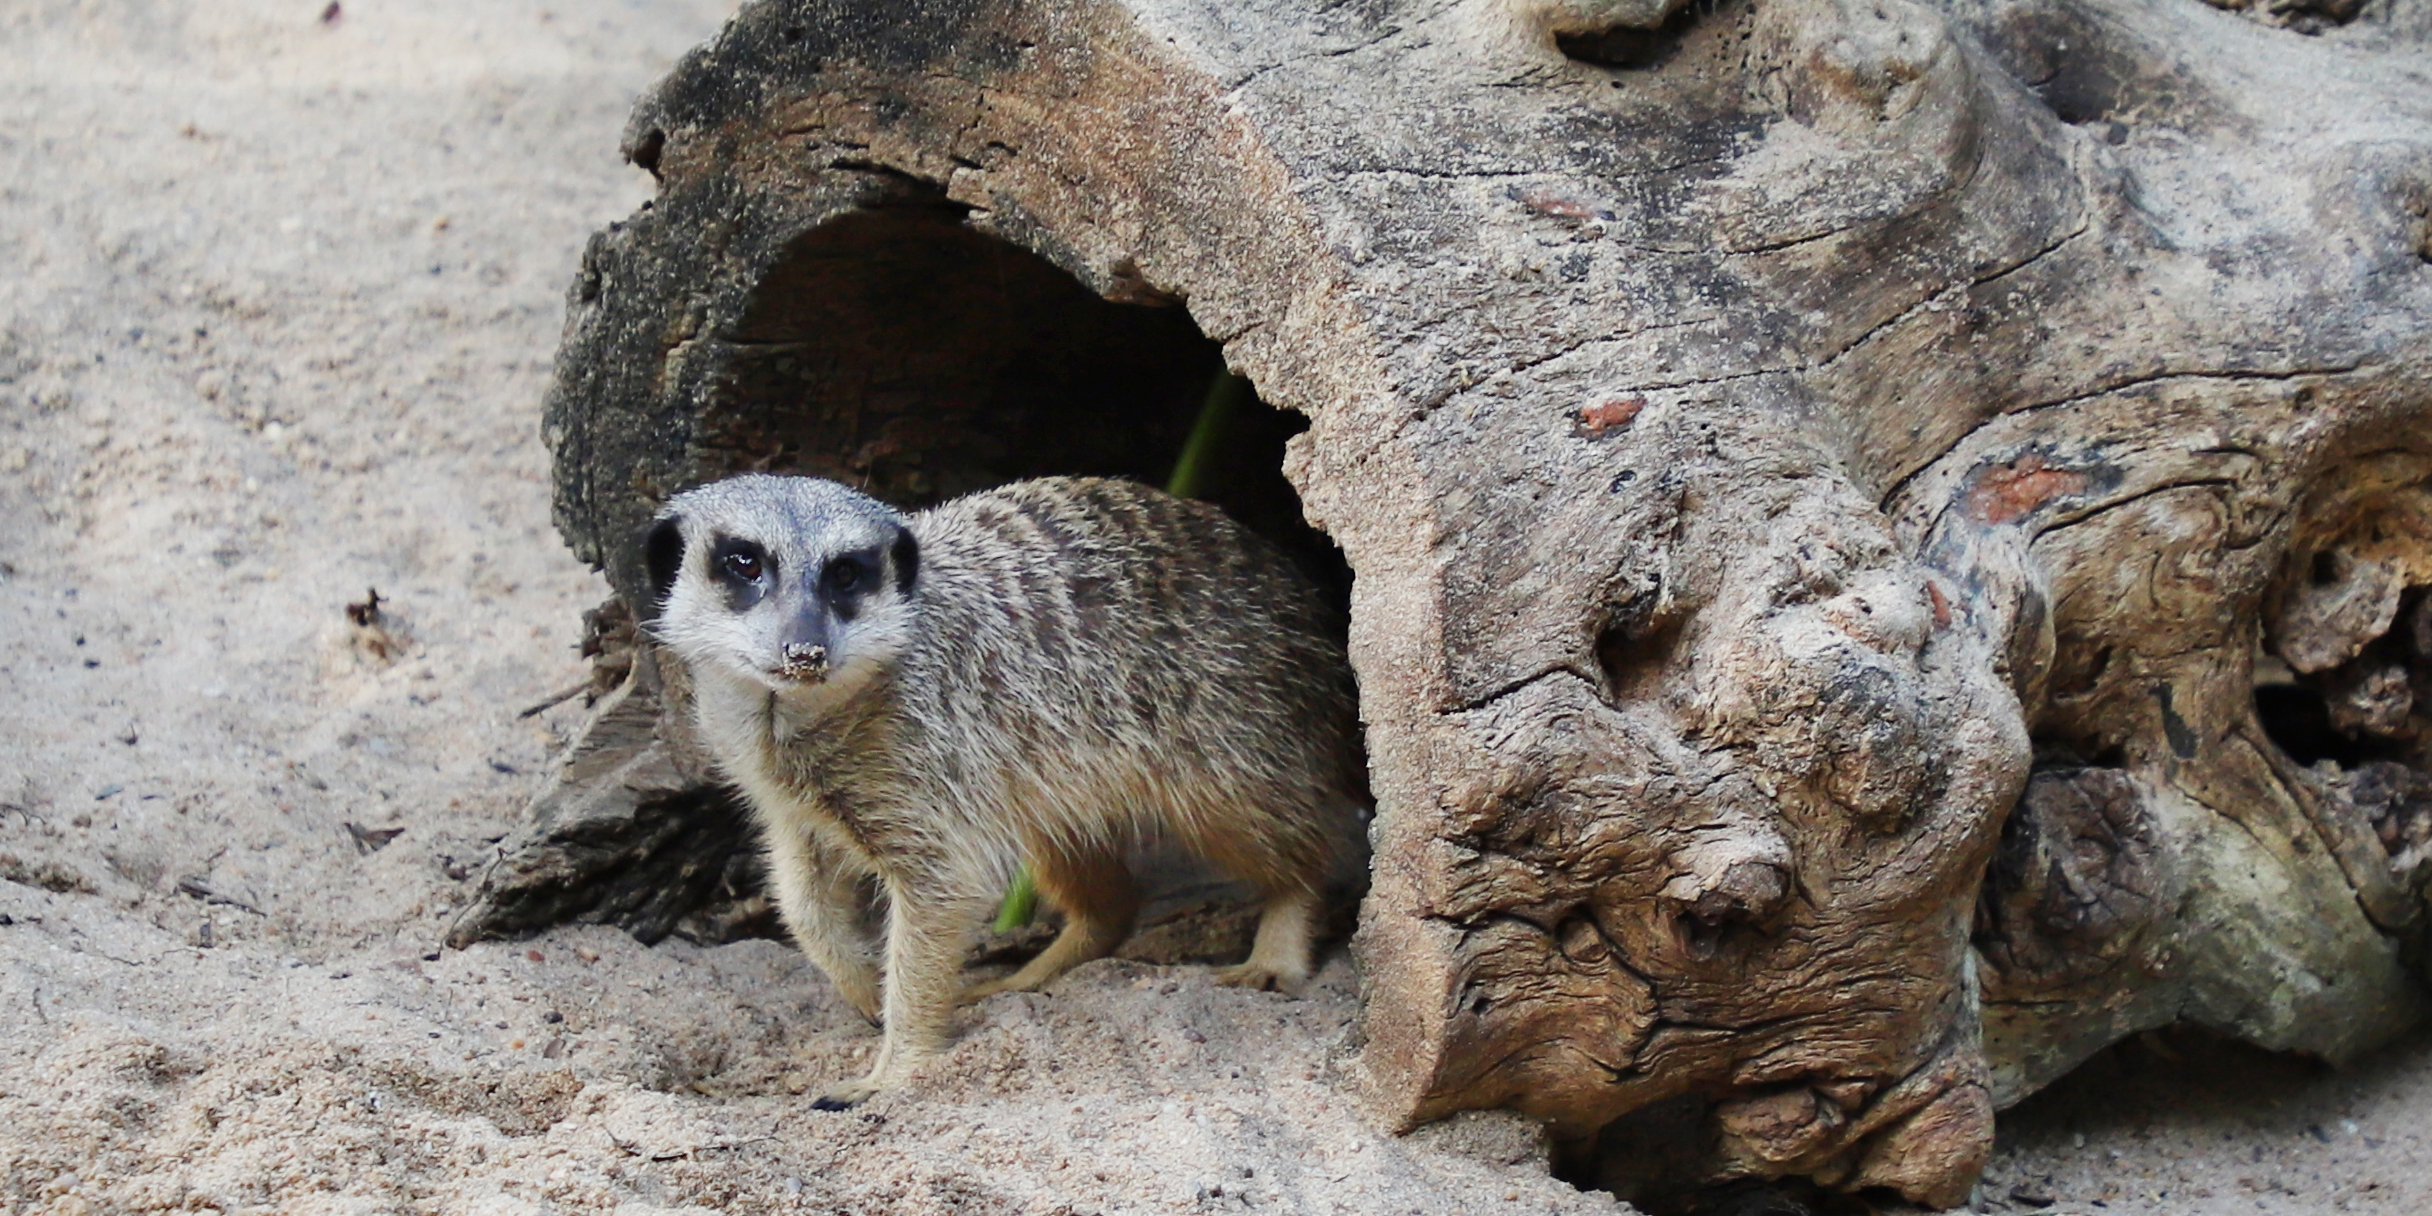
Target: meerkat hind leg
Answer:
pixel 1279 955
pixel 1100 899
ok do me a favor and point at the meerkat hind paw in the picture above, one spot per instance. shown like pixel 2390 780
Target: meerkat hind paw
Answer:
pixel 988 988
pixel 1261 977
pixel 846 1096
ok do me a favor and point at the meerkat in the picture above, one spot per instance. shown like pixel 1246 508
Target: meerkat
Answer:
pixel 1053 672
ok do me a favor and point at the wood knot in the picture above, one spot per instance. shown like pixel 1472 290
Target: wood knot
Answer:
pixel 2340 604
pixel 1779 1128
pixel 1749 891
pixel 1743 897
pixel 2079 876
pixel 2397 801
pixel 1583 943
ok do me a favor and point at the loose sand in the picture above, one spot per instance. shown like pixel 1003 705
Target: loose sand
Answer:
pixel 279 303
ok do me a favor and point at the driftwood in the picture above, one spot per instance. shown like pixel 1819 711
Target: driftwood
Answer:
pixel 1891 541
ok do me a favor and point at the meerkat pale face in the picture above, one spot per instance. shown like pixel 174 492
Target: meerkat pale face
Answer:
pixel 793 583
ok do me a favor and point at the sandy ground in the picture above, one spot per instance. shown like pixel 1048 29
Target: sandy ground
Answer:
pixel 279 300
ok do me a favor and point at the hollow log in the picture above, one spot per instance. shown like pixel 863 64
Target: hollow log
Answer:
pixel 1889 542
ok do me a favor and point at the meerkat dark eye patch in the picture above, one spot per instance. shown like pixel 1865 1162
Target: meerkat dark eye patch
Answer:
pixel 844 581
pixel 843 576
pixel 663 559
pixel 743 567
pixel 906 555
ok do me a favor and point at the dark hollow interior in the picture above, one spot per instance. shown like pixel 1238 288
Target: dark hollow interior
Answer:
pixel 900 351
pixel 2298 719
pixel 897 350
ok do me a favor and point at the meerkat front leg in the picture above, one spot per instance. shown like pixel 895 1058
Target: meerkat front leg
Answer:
pixel 927 930
pixel 819 895
pixel 1100 899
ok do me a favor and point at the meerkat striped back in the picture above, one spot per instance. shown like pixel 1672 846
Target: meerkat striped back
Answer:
pixel 1099 611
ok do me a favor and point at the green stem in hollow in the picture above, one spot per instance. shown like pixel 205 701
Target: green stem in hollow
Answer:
pixel 1190 471
pixel 1021 902
pixel 1225 393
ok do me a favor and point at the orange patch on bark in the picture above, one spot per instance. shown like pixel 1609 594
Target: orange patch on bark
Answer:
pixel 2007 492
pixel 1610 414
pixel 1555 205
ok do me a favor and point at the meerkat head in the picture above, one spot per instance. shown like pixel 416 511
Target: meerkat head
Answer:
pixel 793 583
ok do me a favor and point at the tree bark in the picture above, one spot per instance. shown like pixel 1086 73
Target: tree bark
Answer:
pixel 1891 540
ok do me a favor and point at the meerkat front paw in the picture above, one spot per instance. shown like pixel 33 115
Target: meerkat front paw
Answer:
pixel 847 1096
pixel 863 997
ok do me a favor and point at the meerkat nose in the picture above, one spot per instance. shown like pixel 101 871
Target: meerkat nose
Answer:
pixel 803 661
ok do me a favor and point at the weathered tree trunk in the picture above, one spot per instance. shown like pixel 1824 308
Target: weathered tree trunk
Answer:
pixel 1830 486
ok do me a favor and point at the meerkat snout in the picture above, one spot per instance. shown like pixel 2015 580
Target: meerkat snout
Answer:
pixel 1056 672
pixel 803 661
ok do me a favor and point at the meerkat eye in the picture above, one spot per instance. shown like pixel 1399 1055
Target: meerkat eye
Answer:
pixel 743 565
pixel 843 575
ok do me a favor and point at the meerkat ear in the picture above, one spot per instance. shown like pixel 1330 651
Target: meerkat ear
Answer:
pixel 663 557
pixel 906 556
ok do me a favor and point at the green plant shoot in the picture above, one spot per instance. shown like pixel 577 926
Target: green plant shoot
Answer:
pixel 1225 393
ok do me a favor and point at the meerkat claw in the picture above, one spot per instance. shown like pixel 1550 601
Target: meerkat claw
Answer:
pixel 845 1097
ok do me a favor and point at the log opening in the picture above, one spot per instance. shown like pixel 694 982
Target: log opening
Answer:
pixel 899 350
